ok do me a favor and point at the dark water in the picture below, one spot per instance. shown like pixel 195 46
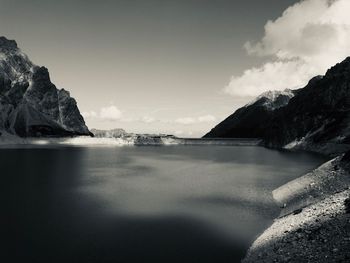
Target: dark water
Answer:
pixel 140 204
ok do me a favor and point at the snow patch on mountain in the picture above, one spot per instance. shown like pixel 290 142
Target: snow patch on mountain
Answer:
pixel 273 99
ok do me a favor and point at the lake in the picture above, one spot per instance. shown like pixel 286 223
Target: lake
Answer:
pixel 140 204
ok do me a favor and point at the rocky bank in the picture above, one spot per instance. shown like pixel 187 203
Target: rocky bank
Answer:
pixel 314 224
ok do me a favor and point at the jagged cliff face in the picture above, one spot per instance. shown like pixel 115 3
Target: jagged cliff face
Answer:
pixel 30 104
pixel 316 118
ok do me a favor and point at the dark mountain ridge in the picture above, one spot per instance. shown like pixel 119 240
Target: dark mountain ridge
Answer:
pixel 314 118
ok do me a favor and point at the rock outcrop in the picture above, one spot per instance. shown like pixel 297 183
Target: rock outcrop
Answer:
pixel 30 104
pixel 316 118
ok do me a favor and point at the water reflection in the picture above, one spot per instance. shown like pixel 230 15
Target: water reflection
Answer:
pixel 180 204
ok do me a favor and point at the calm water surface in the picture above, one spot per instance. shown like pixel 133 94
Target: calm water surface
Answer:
pixel 140 204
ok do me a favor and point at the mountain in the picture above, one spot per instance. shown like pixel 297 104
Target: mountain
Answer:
pixel 250 120
pixel 30 104
pixel 316 117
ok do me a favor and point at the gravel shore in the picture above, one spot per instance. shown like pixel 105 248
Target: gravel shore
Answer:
pixel 314 225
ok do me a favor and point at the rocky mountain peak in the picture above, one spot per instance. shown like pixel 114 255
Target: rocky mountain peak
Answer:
pixel 314 80
pixel 272 100
pixel 41 74
pixel 7 44
pixel 30 104
pixel 340 69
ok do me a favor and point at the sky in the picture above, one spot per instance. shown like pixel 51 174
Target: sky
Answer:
pixel 180 66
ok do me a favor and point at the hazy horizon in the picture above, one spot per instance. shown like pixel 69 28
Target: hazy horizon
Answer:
pixel 176 67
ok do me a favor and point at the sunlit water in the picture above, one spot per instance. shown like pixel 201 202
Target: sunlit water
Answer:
pixel 141 204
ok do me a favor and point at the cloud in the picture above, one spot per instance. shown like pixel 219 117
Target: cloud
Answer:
pixel 271 76
pixel 185 120
pixel 148 119
pixel 192 120
pixel 305 41
pixel 111 113
pixel 89 114
pixel 206 118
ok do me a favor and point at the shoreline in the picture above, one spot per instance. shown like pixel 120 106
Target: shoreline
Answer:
pixel 314 223
pixel 9 140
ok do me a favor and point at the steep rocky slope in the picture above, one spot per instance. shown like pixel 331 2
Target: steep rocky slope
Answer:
pixel 30 104
pixel 250 120
pixel 316 118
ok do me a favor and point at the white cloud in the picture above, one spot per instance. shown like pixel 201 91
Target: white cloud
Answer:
pixel 89 114
pixel 271 76
pixel 148 119
pixel 206 118
pixel 111 113
pixel 192 120
pixel 185 120
pixel 305 41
